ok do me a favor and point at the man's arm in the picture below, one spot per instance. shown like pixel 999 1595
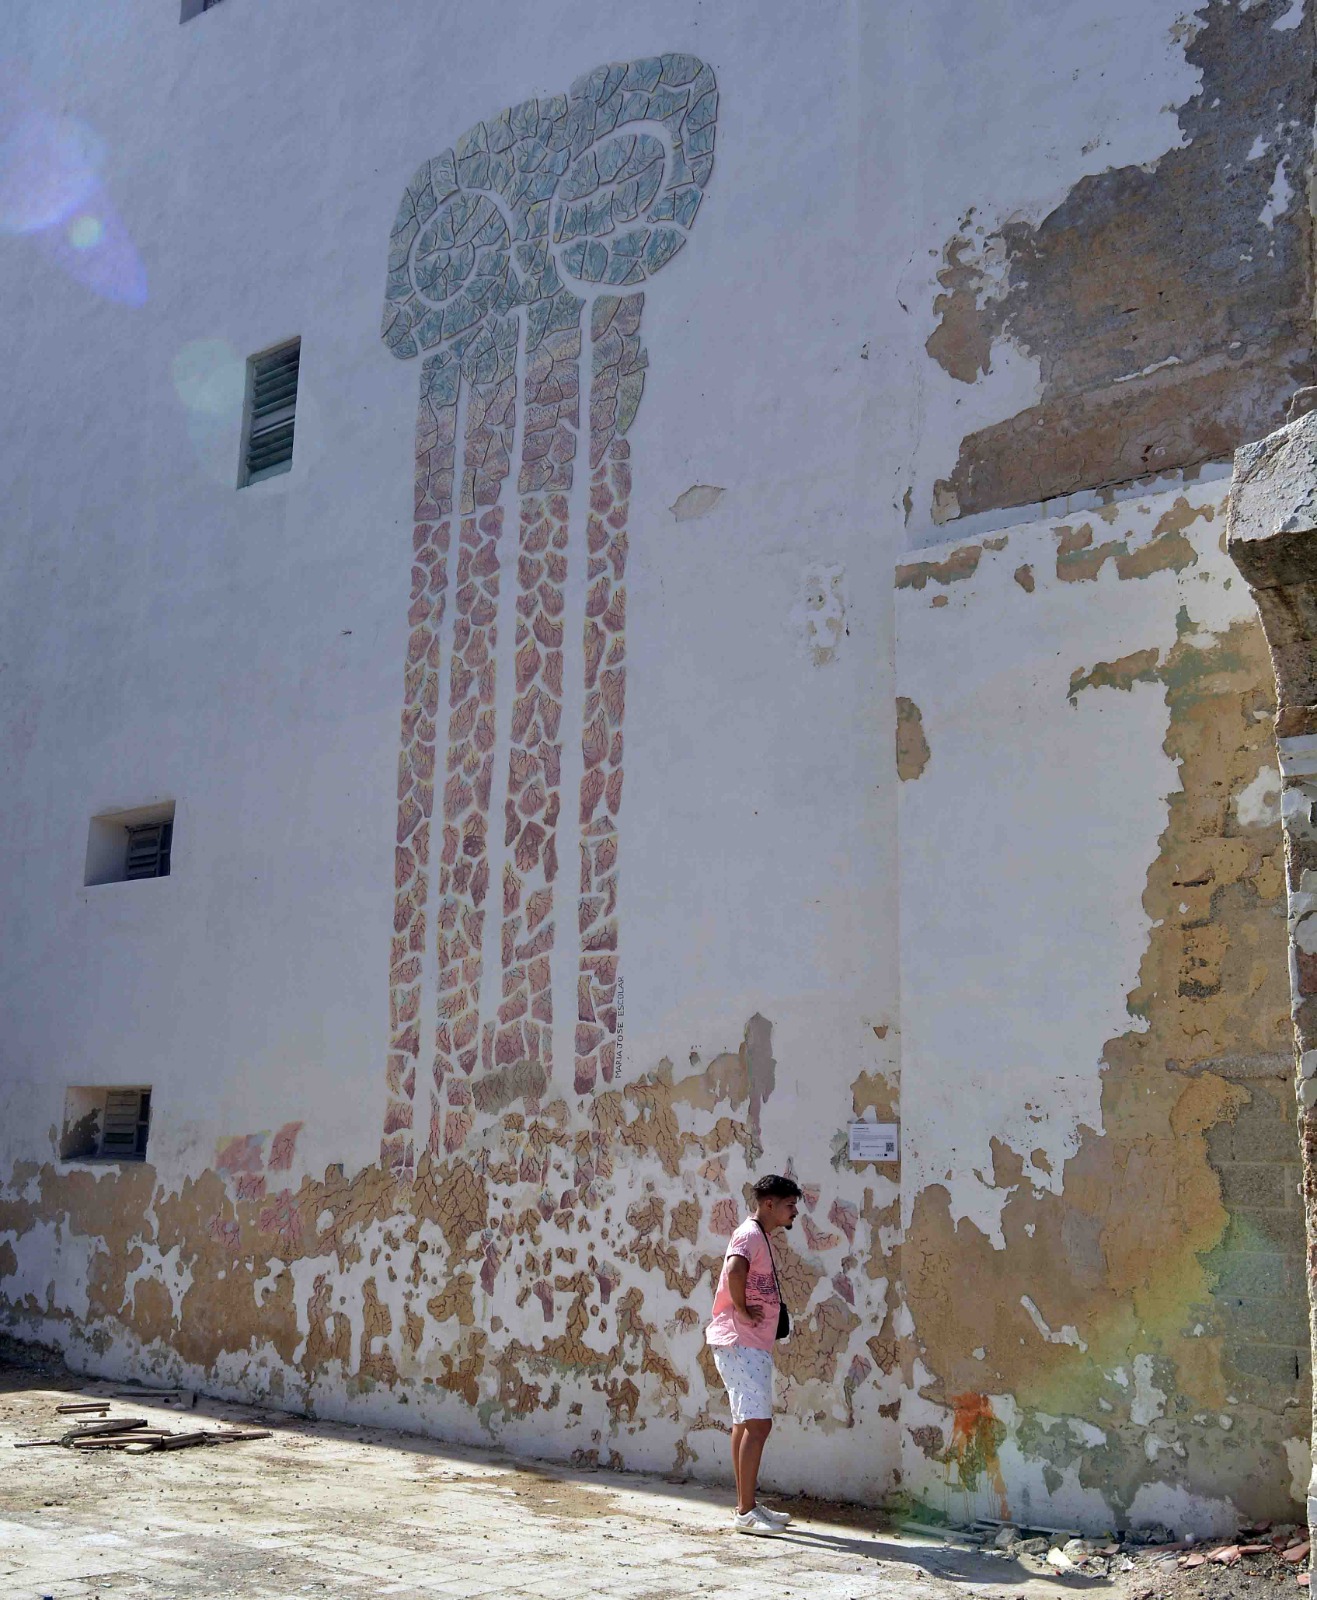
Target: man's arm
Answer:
pixel 738 1270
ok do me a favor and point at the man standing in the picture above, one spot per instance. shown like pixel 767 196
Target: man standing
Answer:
pixel 746 1310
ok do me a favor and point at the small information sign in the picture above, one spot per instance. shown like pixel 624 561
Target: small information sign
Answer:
pixel 874 1141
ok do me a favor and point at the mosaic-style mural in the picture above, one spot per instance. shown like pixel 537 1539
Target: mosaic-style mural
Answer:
pixel 515 268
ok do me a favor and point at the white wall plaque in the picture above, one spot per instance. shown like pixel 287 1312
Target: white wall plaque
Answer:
pixel 874 1141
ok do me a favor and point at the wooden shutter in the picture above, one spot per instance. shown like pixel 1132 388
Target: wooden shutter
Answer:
pixel 123 1128
pixel 149 849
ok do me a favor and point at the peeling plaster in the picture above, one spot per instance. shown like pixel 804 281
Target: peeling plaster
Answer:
pixel 1257 805
pixel 697 501
pixel 1164 302
pixel 1153 1191
pixel 818 619
pixel 559 1264
pixel 912 752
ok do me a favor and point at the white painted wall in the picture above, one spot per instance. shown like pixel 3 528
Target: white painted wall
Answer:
pixel 164 635
pixel 1025 844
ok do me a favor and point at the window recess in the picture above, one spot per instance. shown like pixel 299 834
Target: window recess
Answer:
pixel 193 8
pixel 105 1124
pixel 123 846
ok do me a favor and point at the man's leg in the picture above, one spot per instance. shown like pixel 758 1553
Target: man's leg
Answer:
pixel 754 1435
pixel 738 1440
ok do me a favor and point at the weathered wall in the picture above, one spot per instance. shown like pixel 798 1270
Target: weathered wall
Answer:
pixel 461 1059
pixel 353 1201
pixel 1103 1257
pixel 1162 306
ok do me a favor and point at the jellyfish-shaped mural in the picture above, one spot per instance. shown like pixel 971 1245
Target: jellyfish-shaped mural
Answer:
pixel 515 268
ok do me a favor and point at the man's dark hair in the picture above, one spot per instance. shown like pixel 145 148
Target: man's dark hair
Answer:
pixel 773 1186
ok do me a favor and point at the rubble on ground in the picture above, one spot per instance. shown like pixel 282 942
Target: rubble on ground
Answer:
pixel 1144 1559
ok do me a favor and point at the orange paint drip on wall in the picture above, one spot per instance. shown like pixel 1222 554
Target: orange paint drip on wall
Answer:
pixel 976 1436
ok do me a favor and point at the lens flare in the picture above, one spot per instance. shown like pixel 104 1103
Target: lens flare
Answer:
pixel 95 250
pixel 48 165
pixel 210 378
pixel 51 192
pixel 86 232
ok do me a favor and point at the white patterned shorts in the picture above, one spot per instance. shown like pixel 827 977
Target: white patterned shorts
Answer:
pixel 747 1376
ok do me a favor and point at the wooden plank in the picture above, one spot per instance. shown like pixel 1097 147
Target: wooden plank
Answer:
pixel 87 1430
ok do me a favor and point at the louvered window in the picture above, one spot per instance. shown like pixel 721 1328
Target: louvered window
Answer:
pixel 271 404
pixel 148 850
pixel 124 1124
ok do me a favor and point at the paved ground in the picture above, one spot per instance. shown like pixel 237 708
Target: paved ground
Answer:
pixel 333 1511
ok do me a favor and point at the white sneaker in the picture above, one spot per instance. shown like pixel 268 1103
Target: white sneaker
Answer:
pixel 781 1518
pixel 754 1521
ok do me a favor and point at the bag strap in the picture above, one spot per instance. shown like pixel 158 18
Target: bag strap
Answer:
pixel 776 1284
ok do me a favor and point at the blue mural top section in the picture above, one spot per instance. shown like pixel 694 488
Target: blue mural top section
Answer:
pixel 551 201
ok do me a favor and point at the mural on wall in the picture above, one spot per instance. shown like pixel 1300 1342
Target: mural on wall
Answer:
pixel 515 268
pixel 525 1251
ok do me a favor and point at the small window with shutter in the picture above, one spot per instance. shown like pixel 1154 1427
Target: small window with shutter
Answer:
pixel 103 1124
pixel 123 846
pixel 148 850
pixel 271 409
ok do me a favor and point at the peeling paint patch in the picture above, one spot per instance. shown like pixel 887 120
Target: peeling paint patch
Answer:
pixel 962 563
pixel 697 501
pixel 961 344
pixel 1023 575
pixel 1079 560
pixel 818 619
pixel 1066 1335
pixel 912 752
pixel 1257 805
pixel 1298 1454
pixel 1169 1213
pixel 554 1263
pixel 1166 303
pixel 1140 666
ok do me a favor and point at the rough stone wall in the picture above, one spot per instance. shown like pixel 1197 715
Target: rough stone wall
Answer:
pixel 1258 1266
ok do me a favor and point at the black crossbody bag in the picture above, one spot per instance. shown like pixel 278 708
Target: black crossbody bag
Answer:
pixel 783 1315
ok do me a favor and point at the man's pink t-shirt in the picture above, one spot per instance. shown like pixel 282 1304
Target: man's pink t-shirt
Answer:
pixel 727 1326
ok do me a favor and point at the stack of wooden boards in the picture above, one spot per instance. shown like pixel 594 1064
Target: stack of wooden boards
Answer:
pixel 93 1429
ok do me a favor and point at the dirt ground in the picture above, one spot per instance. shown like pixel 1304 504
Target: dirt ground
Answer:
pixel 327 1510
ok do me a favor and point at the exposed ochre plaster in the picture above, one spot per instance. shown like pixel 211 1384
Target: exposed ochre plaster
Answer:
pixel 912 752
pixel 560 1264
pixel 962 563
pixel 1176 1304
